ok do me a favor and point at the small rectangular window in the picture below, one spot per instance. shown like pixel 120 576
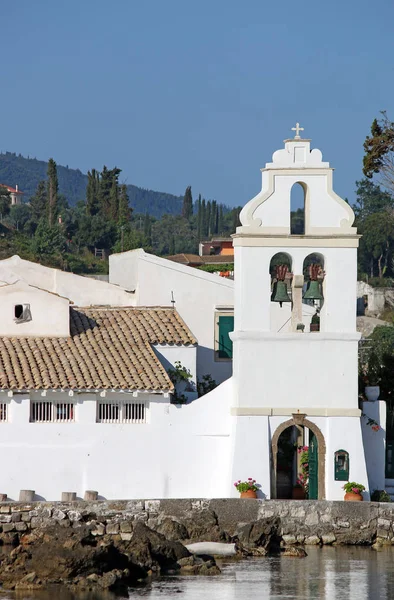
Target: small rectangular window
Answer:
pixel 48 411
pixel 121 412
pixel 3 412
pixel 223 343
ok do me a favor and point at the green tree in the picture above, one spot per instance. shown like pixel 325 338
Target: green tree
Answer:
pixel 5 202
pixel 187 207
pixel 19 216
pixel 379 151
pixel 48 240
pixel 38 203
pixel 52 191
pixel 124 210
pixel 370 198
pixel 92 193
pixel 378 238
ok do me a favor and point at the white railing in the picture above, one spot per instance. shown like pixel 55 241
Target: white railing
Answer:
pixel 3 412
pixel 52 412
pixel 121 412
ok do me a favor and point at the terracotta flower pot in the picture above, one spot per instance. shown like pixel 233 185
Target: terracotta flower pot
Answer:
pixel 298 493
pixel 352 497
pixel 249 494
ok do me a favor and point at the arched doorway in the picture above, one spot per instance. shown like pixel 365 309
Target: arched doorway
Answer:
pixel 298 458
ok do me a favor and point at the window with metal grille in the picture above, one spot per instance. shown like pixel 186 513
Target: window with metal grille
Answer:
pixel 48 411
pixel 3 412
pixel 121 412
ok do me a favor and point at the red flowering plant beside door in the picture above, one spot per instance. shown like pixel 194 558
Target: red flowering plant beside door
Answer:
pixel 303 475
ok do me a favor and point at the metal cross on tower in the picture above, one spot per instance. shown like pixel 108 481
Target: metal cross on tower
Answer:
pixel 297 129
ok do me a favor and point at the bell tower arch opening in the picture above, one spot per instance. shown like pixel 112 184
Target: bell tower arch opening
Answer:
pixel 313 271
pixel 298 209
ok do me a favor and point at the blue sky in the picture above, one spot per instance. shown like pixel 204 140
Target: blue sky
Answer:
pixel 179 93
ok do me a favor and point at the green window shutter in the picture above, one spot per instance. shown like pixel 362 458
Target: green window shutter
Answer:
pixel 225 346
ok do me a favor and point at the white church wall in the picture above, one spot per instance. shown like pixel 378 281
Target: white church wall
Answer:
pixel 253 286
pixel 251 453
pixel 42 313
pixel 299 370
pixel 82 291
pixel 340 433
pixel 197 297
pixel 152 460
pixel 186 355
pixel 375 444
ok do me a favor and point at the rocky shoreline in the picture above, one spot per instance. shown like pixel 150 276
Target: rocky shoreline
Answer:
pixel 111 545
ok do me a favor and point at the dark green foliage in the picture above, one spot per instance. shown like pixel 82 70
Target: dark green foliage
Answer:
pixel 297 222
pixel 48 240
pixel 123 209
pixel 92 193
pixel 38 202
pixel 52 191
pixel 205 385
pixel 378 148
pixel 5 202
pixel 380 496
pixel 28 172
pixel 187 206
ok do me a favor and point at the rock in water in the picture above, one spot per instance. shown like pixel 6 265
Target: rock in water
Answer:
pixel 294 551
pixel 212 549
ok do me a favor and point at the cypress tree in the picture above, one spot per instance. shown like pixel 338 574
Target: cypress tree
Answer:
pixel 209 210
pixel 38 202
pixel 124 210
pixel 187 207
pixel 114 200
pixel 199 218
pixel 52 191
pixel 147 230
pixel 92 193
pixel 204 223
pixel 220 219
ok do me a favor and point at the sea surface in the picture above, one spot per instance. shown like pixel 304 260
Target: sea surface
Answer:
pixel 325 574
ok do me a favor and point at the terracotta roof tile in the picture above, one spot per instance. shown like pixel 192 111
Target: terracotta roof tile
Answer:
pixel 107 349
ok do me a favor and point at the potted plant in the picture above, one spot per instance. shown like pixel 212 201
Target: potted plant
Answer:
pixel 353 491
pixel 380 496
pixel 315 323
pixel 248 488
pixel 300 327
pixel 298 490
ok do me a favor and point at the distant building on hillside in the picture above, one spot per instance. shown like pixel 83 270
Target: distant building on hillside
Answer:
pixel 220 246
pixel 194 260
pixel 15 194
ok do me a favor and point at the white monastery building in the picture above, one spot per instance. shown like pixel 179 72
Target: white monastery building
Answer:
pixel 15 194
pixel 87 383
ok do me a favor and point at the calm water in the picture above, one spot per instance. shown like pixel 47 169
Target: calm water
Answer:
pixel 326 574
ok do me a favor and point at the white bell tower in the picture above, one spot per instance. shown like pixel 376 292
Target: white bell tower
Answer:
pixel 283 368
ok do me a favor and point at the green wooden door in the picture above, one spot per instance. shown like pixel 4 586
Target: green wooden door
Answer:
pixel 226 326
pixel 313 467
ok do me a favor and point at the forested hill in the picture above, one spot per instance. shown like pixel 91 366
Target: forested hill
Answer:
pixel 27 172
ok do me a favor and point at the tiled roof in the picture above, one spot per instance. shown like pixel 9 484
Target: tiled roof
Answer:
pixel 11 189
pixel 107 349
pixel 186 259
pixel 194 259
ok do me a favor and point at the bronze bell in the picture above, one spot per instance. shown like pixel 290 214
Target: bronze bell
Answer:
pixel 313 292
pixel 279 293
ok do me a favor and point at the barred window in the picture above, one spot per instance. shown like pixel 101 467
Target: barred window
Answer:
pixel 49 411
pixel 121 412
pixel 3 412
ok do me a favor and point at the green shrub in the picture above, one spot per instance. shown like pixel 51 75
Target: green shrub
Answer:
pixel 380 496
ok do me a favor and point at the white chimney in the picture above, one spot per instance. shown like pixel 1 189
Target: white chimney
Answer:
pixel 16 187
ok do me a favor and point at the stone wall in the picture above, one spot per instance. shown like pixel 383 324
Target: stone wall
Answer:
pixel 306 522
